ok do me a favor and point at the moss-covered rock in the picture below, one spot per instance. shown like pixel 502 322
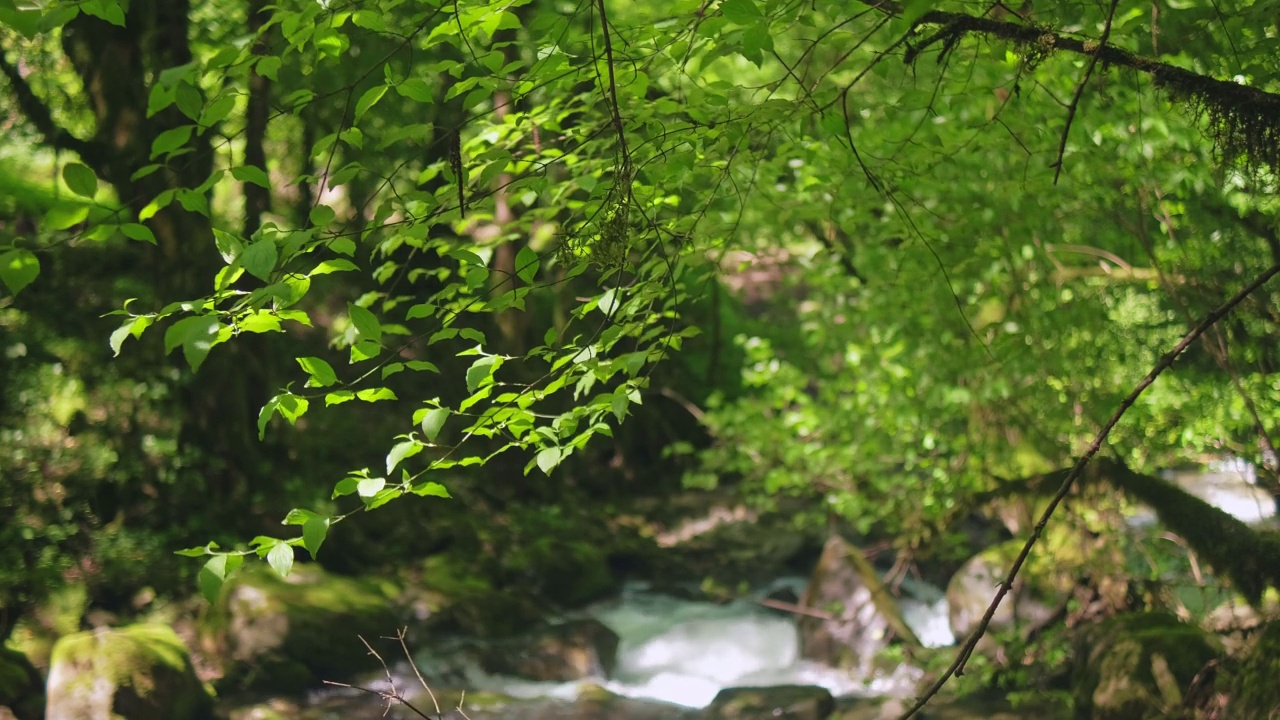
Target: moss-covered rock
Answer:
pixel 788 702
pixel 1138 666
pixel 139 672
pixel 59 614
pixel 1253 687
pixel 289 634
pixel 21 687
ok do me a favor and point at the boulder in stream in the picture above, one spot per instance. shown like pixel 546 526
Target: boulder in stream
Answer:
pixel 1034 599
pixel 785 702
pixel 570 651
pixel 852 613
pixel 286 635
pixel 1138 666
pixel 138 672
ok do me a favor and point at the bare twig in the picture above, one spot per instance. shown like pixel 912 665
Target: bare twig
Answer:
pixel 391 695
pixel 1165 362
pixel 400 635
pixel 1075 101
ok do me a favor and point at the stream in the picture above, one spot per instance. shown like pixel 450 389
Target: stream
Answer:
pixel 674 651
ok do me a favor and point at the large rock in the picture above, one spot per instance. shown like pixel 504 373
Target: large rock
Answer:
pixel 569 651
pixel 1036 597
pixel 1253 685
pixel 854 615
pixel 21 687
pixel 1138 666
pixel 139 672
pixel 785 702
pixel 289 634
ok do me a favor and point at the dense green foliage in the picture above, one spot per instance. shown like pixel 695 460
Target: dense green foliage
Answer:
pixel 887 256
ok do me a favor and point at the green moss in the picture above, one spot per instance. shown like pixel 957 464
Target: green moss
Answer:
pixel 1136 666
pixel 147 666
pixel 290 634
pixel 1254 686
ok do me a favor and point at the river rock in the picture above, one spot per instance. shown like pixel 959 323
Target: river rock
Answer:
pixel 786 702
pixel 1034 599
pixel 138 672
pixel 21 687
pixel 560 653
pixel 289 634
pixel 1138 666
pixel 857 614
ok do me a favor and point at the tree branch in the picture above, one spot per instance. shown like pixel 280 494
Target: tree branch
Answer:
pixel 962 657
pixel 38 114
pixel 1244 120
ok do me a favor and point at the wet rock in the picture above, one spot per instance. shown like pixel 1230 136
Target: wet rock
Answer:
pixel 21 687
pixel 785 702
pixel 1138 666
pixel 853 615
pixel 286 635
pixel 139 672
pixel 1034 599
pixel 569 651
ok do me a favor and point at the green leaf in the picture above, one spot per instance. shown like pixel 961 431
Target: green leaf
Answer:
pixel 18 269
pixel 138 231
pixel 431 489
pixel 376 394
pixel 81 180
pixel 479 372
pixel 333 266
pixel 269 67
pixel 548 459
pixel 322 215
pixel 214 573
pixel 217 111
pixel 281 558
pixel 314 531
pixel 526 264
pixel 741 12
pixel 65 215
pixel 252 174
pixel 434 421
pixel 321 372
pixel 292 407
pixel 368 487
pixel 368 100
pixel 197 335
pixel 133 326
pixel 400 451
pixel 338 397
pixel 260 259
pixel 170 140
pixel 366 323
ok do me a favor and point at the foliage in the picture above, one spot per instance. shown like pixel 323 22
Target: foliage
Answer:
pixel 485 224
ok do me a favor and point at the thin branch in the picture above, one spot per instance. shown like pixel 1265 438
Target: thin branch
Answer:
pixel 615 111
pixel 38 114
pixel 1075 100
pixel 1165 362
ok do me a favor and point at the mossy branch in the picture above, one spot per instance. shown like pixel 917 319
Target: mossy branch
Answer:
pixel 1244 121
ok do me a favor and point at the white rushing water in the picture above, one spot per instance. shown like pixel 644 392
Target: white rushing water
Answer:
pixel 685 651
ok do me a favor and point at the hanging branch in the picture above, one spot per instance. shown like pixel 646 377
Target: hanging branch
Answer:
pixel 1244 121
pixel 1075 101
pixel 1165 362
